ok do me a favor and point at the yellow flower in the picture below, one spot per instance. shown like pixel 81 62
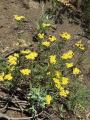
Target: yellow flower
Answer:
pixel 68 55
pixel 53 59
pixel 64 93
pixel 52 38
pixel 80 45
pixel 61 88
pixel 48 99
pixel 46 43
pixel 31 56
pixel 65 36
pixel 48 73
pixel 57 83
pixel 69 65
pixel 18 18
pixel 58 86
pixel 76 71
pixel 41 35
pixel 12 60
pixel 1 76
pixel 44 25
pixel 25 51
pixel 58 74
pixel 25 71
pixel 8 76
pixel 16 55
pixel 65 80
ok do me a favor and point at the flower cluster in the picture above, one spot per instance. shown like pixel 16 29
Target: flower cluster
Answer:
pixel 76 71
pixel 4 76
pixel 46 66
pixel 60 83
pixel 53 59
pixel 25 51
pixel 80 45
pixel 67 55
pixel 12 59
pixel 45 25
pixel 65 36
pixel 41 36
pixel 47 42
pixel 29 55
pixel 48 99
pixel 69 65
pixel 52 38
pixel 25 71
pixel 19 18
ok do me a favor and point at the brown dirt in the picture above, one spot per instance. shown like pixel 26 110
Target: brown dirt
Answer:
pixel 8 27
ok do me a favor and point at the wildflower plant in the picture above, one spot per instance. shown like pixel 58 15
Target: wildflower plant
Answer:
pixel 45 74
pixel 36 98
pixel 19 20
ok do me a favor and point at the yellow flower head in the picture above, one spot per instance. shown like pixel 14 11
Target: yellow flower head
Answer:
pixel 68 55
pixel 48 99
pixel 64 93
pixel 18 18
pixel 12 60
pixel 53 59
pixel 8 76
pixel 65 80
pixel 16 55
pixel 46 43
pixel 31 56
pixel 80 45
pixel 48 73
pixel 25 71
pixel 44 25
pixel 61 88
pixel 25 51
pixel 52 38
pixel 58 86
pixel 1 76
pixel 58 74
pixel 41 35
pixel 76 71
pixel 65 36
pixel 69 65
pixel 57 83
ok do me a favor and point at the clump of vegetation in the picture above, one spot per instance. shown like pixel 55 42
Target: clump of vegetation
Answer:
pixel 46 74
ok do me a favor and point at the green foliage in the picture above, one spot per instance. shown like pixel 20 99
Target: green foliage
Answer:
pixel 79 98
pixel 36 98
pixel 42 73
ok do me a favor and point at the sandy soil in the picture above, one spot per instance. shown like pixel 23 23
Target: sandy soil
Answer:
pixel 8 27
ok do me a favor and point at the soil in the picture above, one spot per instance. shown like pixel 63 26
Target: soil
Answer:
pixel 8 27
pixel 10 36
